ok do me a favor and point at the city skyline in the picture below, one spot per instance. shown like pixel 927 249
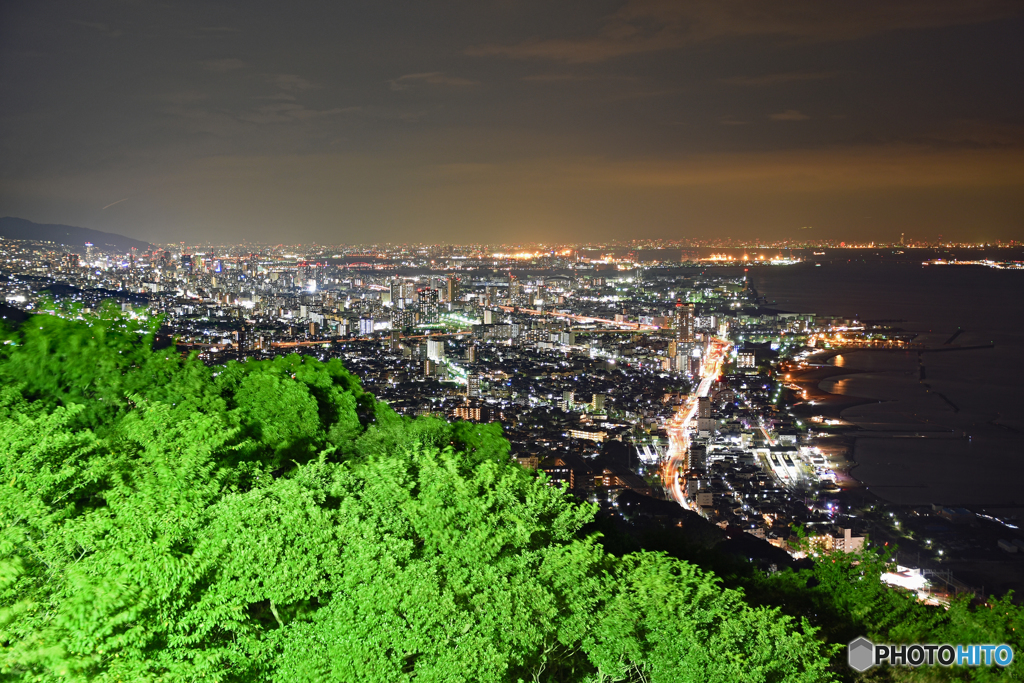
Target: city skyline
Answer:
pixel 508 122
pixel 848 414
pixel 509 340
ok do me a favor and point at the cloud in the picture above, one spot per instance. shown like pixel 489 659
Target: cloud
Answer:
pixel 182 97
pixel 219 29
pixel 975 134
pixel 222 65
pixel 556 78
pixel 776 79
pixel 597 49
pixel 644 26
pixel 287 112
pixel 733 122
pixel 278 97
pixel 431 78
pixel 575 78
pixel 789 115
pixel 829 169
pixel 102 28
pixel 292 82
pixel 462 197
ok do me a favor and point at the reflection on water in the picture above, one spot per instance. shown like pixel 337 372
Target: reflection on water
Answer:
pixel 836 386
pixel 976 392
pixel 876 360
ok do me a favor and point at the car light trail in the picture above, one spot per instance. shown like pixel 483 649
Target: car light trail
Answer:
pixel 678 427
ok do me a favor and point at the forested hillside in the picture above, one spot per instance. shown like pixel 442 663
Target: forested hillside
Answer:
pixel 162 520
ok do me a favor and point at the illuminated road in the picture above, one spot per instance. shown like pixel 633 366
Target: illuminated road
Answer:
pixel 580 318
pixel 460 333
pixel 678 428
pixel 324 342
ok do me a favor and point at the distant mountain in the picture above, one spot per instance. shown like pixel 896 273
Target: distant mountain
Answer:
pixel 21 229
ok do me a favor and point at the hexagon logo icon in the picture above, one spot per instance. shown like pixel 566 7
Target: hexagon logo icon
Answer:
pixel 861 654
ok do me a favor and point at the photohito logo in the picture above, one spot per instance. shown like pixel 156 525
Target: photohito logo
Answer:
pixel 862 654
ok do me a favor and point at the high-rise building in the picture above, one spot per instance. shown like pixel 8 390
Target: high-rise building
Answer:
pixel 473 411
pixel 696 457
pixel 401 319
pixel 244 340
pixel 308 276
pixel 471 354
pixel 684 322
pixel 597 403
pixel 453 287
pixel 401 293
pixel 435 350
pixel 473 386
pixel 681 363
pixel 704 406
pixel 428 302
pixel 515 288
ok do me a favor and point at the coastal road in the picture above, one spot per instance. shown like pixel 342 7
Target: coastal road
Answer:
pixel 678 427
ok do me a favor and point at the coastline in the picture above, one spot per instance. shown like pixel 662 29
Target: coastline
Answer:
pixel 939 429
pixel 970 548
pixel 835 440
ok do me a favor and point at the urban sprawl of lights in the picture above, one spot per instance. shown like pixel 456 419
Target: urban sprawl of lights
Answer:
pixel 580 353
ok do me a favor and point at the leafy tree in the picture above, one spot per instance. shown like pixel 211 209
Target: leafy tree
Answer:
pixel 843 596
pixel 270 521
pixel 669 621
pixel 97 363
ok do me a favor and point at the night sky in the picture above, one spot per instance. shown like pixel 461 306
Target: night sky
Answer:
pixel 504 121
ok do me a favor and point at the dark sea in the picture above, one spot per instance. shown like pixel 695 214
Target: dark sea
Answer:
pixel 955 437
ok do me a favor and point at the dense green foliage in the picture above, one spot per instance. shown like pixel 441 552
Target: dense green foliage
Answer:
pixel 162 521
